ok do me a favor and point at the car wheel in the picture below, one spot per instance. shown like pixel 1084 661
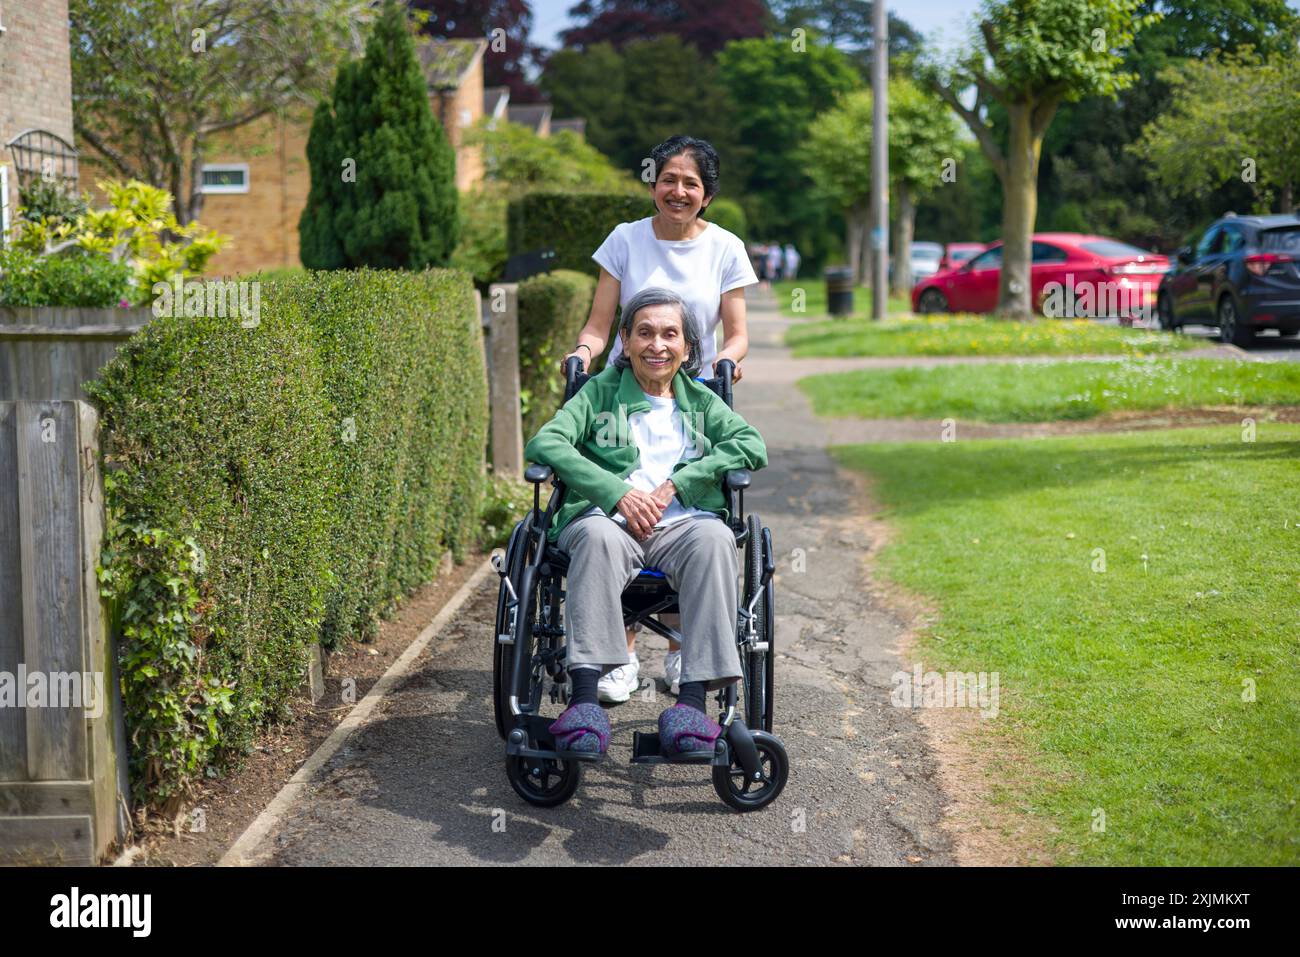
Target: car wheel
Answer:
pixel 932 300
pixel 1165 314
pixel 1231 328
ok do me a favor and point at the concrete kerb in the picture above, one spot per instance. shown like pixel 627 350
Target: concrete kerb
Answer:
pixel 244 851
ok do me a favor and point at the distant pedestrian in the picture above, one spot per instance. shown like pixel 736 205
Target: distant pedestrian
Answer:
pixel 774 262
pixel 792 260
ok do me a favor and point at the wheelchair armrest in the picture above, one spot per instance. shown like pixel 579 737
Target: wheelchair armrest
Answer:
pixel 538 473
pixel 737 479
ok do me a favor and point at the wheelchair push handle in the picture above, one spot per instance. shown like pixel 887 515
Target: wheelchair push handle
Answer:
pixel 572 369
pixel 769 559
pixel 724 370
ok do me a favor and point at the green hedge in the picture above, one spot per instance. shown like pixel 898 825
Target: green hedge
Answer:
pixel 273 486
pixel 553 308
pixel 573 224
pixel 72 278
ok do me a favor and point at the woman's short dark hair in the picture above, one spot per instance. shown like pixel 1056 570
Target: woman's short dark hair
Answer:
pixel 659 296
pixel 701 151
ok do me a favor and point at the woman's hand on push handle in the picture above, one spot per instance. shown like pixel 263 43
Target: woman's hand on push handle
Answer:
pixel 642 510
pixel 583 353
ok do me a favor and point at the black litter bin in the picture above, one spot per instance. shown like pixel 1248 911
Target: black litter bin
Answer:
pixel 839 290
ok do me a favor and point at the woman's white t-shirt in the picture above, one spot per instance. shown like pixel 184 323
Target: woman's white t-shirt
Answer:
pixel 699 270
pixel 661 440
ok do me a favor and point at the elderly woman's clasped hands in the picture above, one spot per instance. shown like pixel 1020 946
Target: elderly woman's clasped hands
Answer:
pixel 643 510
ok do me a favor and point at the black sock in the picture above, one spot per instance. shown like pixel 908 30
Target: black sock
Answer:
pixel 584 685
pixel 692 693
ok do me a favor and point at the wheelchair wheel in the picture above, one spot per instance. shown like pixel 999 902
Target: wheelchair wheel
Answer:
pixel 518 552
pixel 757 665
pixel 543 782
pixel 742 794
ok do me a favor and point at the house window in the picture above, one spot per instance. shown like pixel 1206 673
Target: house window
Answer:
pixel 225 178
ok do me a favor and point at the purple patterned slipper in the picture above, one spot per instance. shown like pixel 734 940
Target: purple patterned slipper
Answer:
pixel 582 727
pixel 683 729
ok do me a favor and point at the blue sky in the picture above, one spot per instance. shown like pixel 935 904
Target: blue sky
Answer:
pixel 942 21
pixel 945 19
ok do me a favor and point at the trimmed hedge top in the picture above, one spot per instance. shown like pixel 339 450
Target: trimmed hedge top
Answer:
pixel 573 224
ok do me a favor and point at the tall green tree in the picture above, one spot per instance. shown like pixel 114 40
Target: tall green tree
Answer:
pixel 1090 180
pixel 923 145
pixel 781 86
pixel 1032 56
pixel 624 96
pixel 1233 117
pixel 154 80
pixel 848 25
pixel 383 175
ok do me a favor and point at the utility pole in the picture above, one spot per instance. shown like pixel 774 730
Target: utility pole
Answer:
pixel 879 160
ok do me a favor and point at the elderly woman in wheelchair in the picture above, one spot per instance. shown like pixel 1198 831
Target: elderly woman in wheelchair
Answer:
pixel 649 464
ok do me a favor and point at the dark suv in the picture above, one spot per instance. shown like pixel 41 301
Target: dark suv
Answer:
pixel 1243 276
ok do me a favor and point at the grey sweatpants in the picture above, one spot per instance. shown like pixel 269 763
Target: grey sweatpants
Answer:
pixel 698 557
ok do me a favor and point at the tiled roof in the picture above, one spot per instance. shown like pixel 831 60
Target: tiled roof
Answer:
pixel 532 115
pixel 444 62
pixel 495 97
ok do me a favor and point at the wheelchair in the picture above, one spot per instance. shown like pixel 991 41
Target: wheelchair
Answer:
pixel 749 763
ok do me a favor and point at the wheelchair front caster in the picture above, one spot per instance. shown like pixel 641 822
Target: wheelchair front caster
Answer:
pixel 738 790
pixel 543 782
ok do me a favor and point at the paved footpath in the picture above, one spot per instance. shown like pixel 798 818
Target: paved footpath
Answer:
pixel 424 781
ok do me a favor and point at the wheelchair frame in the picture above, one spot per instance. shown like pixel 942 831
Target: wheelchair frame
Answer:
pixel 749 767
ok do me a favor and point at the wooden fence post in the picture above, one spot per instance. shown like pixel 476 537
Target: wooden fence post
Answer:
pixel 47 352
pixel 502 322
pixel 59 714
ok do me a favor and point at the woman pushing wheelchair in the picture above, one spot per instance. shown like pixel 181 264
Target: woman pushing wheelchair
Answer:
pixel 642 449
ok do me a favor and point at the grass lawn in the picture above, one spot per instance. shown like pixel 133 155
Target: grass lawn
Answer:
pixel 945 335
pixel 1041 392
pixel 1122 682
pixel 814 302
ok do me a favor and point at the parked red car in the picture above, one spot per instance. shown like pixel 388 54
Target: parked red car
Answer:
pixel 954 254
pixel 1072 275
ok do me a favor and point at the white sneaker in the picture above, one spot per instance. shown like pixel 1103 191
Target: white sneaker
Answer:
pixel 618 685
pixel 673 671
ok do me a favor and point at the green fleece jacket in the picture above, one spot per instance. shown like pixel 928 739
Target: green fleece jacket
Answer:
pixel 590 446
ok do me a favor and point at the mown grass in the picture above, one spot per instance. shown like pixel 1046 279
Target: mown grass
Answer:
pixel 806 299
pixel 1139 597
pixel 967 335
pixel 1041 392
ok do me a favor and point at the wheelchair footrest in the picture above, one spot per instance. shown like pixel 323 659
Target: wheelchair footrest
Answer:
pixel 646 750
pixel 532 740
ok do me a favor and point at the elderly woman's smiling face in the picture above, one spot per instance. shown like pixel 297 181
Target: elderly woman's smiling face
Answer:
pixel 656 348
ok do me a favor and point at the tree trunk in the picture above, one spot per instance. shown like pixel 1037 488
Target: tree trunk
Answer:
pixel 1287 198
pixel 863 265
pixel 190 208
pixel 857 222
pixel 904 229
pixel 1019 210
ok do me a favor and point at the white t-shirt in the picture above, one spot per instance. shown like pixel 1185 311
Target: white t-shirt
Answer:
pixel 661 441
pixel 699 270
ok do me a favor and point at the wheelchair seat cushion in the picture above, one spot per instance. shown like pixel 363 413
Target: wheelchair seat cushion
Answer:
pixel 683 729
pixel 582 727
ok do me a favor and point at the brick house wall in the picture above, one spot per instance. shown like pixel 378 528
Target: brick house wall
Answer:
pixel 457 109
pixel 263 223
pixel 35 74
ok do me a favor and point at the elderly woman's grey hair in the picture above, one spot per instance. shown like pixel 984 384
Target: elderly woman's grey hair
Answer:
pixel 659 296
